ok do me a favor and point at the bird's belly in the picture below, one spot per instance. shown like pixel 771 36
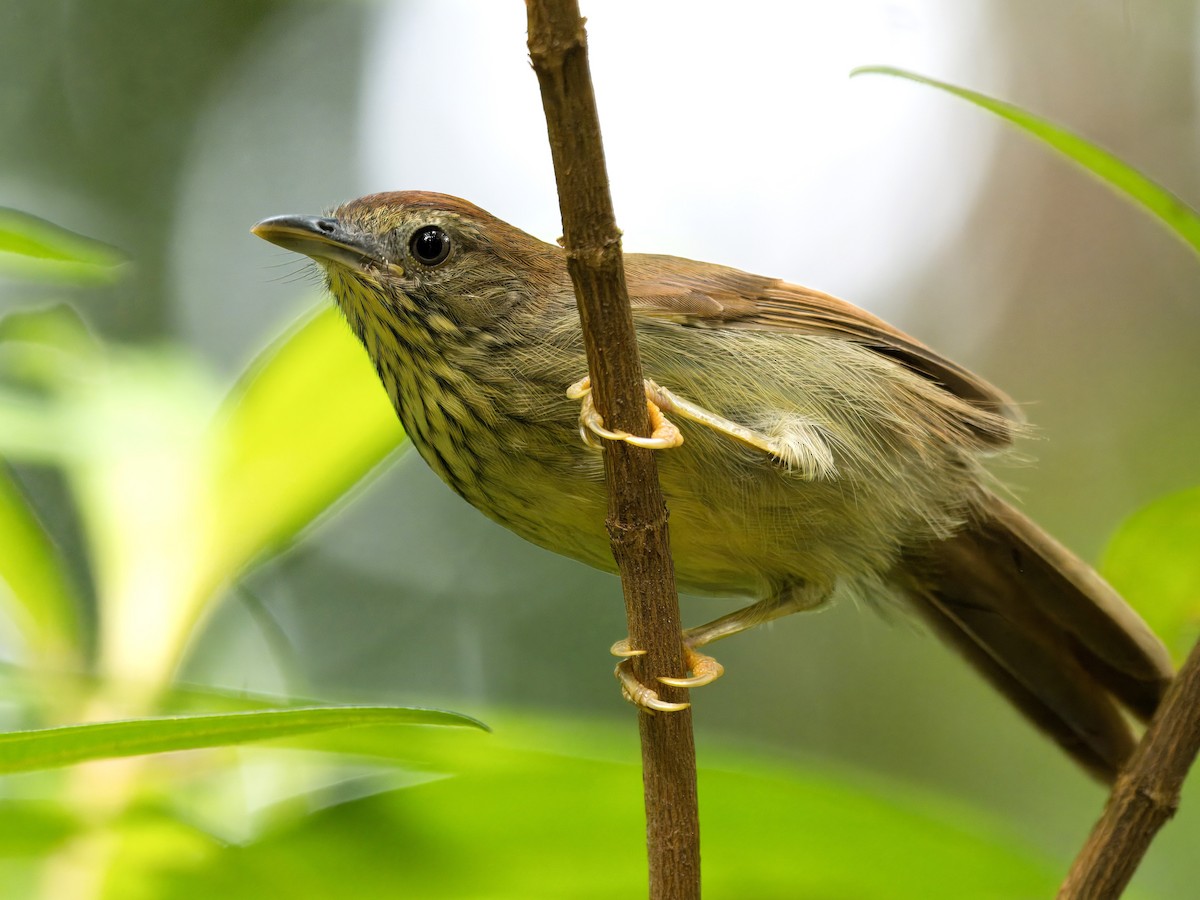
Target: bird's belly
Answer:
pixel 740 523
pixel 731 532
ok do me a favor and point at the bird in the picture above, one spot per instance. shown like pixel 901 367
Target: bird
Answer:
pixel 808 450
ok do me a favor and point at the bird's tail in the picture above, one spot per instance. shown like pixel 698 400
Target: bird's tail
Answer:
pixel 1044 629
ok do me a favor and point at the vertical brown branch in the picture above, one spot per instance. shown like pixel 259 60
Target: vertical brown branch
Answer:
pixel 1145 796
pixel 637 515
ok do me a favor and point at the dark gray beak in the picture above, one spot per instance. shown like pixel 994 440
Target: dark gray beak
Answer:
pixel 319 237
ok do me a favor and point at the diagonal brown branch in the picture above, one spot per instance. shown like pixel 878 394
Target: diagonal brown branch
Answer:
pixel 1145 796
pixel 637 514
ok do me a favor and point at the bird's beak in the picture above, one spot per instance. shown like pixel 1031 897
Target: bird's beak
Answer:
pixel 322 238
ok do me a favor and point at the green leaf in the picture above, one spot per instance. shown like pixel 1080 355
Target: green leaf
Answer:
pixel 23 751
pixel 43 353
pixel 33 583
pixel 1153 561
pixel 553 809
pixel 306 423
pixel 47 346
pixel 34 429
pixel 1183 221
pixel 33 827
pixel 34 248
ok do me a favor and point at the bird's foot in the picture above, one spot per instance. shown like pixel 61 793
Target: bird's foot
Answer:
pixel 704 669
pixel 664 435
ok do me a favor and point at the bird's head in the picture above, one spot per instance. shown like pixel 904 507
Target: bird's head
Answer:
pixel 417 254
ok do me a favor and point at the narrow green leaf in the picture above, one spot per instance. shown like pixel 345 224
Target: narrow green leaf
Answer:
pixel 1153 561
pixel 23 751
pixel 1183 221
pixel 33 583
pixel 34 248
pixel 306 423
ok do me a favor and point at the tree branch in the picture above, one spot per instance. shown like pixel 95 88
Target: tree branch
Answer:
pixel 1145 796
pixel 637 514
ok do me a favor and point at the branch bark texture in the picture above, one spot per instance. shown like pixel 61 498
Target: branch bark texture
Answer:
pixel 637 514
pixel 1145 796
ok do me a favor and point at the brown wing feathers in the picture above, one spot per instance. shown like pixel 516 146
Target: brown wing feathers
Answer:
pixel 713 296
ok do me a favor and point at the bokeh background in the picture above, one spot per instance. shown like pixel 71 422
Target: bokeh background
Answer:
pixel 733 135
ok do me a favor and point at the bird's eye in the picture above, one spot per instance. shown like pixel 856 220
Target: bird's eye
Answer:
pixel 430 245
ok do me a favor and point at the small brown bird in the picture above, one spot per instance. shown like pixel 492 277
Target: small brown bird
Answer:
pixel 817 451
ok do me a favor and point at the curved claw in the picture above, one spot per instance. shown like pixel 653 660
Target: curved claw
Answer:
pixel 621 648
pixel 587 437
pixel 664 435
pixel 704 669
pixel 590 419
pixel 640 695
pixel 668 438
pixel 580 389
pixel 691 682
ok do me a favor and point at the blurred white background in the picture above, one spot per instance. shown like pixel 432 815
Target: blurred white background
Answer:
pixel 734 136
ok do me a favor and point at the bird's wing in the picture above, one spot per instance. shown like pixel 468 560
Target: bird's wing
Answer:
pixel 700 295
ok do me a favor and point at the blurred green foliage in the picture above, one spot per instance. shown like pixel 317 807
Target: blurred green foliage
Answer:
pixel 770 831
pixel 1153 561
pixel 33 585
pixel 178 492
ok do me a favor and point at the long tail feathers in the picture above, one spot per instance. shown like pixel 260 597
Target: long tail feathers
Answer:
pixel 1044 629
